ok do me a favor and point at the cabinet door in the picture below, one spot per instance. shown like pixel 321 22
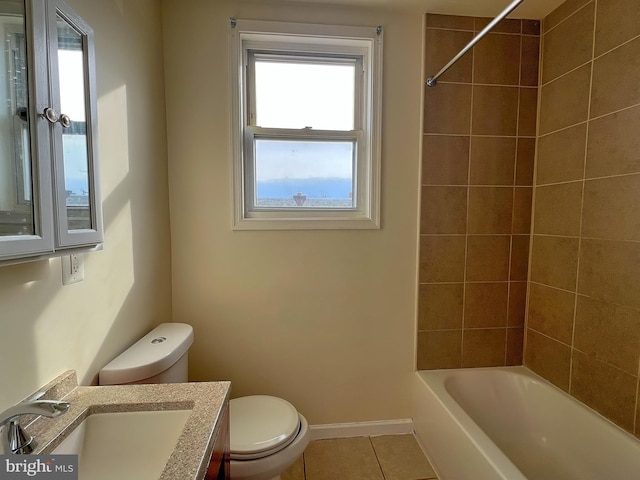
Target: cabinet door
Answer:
pixel 78 212
pixel 26 227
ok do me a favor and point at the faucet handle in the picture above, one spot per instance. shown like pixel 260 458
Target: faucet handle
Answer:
pixel 19 442
pixel 15 438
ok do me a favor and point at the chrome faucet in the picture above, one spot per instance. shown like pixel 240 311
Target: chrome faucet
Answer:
pixel 16 440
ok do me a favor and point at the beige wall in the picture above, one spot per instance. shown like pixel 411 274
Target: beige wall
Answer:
pixel 584 304
pixel 46 328
pixel 325 319
pixel 477 173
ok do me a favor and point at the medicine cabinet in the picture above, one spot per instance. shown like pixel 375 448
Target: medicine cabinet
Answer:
pixel 49 190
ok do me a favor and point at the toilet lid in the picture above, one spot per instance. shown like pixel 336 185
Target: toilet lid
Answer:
pixel 261 424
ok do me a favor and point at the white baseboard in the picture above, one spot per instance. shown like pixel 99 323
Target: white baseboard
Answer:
pixel 361 429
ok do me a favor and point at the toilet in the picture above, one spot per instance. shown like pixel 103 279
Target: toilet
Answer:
pixel 267 434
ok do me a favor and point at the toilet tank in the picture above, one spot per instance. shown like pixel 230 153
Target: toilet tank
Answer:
pixel 158 357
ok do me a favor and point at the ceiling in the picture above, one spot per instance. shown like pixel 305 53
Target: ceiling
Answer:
pixel 536 9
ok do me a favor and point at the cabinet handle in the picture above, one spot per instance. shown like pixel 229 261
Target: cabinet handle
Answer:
pixel 65 121
pixel 52 116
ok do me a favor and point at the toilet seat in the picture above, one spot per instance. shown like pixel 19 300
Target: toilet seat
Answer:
pixel 261 425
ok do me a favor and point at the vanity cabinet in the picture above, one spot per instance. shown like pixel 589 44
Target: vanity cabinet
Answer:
pixel 219 465
pixel 49 186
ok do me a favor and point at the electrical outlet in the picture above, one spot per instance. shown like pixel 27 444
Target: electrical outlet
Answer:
pixel 72 268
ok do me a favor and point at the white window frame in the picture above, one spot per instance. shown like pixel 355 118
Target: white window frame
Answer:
pixel 248 38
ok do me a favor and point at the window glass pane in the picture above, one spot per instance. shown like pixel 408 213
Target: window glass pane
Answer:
pixel 74 137
pixel 297 173
pixel 294 94
pixel 16 202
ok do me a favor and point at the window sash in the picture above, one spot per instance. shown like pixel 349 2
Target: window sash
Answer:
pixel 359 170
pixel 327 58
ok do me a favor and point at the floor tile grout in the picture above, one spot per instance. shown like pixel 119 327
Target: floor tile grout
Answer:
pixel 398 449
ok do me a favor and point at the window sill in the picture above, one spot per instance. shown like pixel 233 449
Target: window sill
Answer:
pixel 306 224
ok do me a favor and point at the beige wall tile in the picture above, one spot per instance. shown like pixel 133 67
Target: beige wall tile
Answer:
pixel 492 160
pixel 456 22
pixel 565 101
pixel 522 210
pixel 615 79
pixel 490 209
pixel 440 349
pixel 526 155
pixel 604 388
pixel 548 358
pixel 344 458
pixel 443 210
pixel 562 12
pixel 554 261
pixel 517 303
pixel 445 160
pixel 508 25
pixel 530 61
pixel 609 271
pixel 557 209
pixel 484 347
pixel 447 109
pixel 531 27
pixel 499 155
pixel 561 155
pixel 495 110
pixel 551 312
pixel 496 59
pixel 401 458
pixel 519 258
pixel 528 112
pixel 440 306
pixel 515 341
pixel 485 305
pixel 440 47
pixel 569 45
pixel 609 332
pixel 618 21
pixel 442 258
pixel 488 258
pixel 611 208
pixel 614 144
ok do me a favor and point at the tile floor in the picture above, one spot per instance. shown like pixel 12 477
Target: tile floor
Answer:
pixel 387 457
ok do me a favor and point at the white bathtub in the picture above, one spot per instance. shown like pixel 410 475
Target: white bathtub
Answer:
pixel 508 423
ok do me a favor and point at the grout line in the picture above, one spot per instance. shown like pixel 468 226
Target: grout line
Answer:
pixel 466 237
pixel 475 32
pixel 513 205
pixel 436 134
pixel 595 239
pixel 375 453
pixel 598 117
pixel 589 179
pixel 584 174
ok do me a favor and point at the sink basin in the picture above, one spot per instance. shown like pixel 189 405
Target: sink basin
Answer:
pixel 124 445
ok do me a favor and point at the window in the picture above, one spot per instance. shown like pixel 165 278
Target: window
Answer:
pixel 306 125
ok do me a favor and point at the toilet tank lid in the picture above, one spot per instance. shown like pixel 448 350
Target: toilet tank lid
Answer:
pixel 152 354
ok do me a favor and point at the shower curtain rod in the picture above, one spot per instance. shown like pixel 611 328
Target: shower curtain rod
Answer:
pixel 433 81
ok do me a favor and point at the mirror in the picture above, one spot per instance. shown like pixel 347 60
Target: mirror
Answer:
pixel 74 134
pixel 16 202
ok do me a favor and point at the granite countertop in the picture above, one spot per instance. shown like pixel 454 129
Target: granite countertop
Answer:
pixel 190 458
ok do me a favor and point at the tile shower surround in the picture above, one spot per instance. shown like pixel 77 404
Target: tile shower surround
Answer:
pixel 477 177
pixel 583 317
pixel 583 327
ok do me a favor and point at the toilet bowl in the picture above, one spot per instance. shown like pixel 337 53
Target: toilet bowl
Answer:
pixel 267 434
